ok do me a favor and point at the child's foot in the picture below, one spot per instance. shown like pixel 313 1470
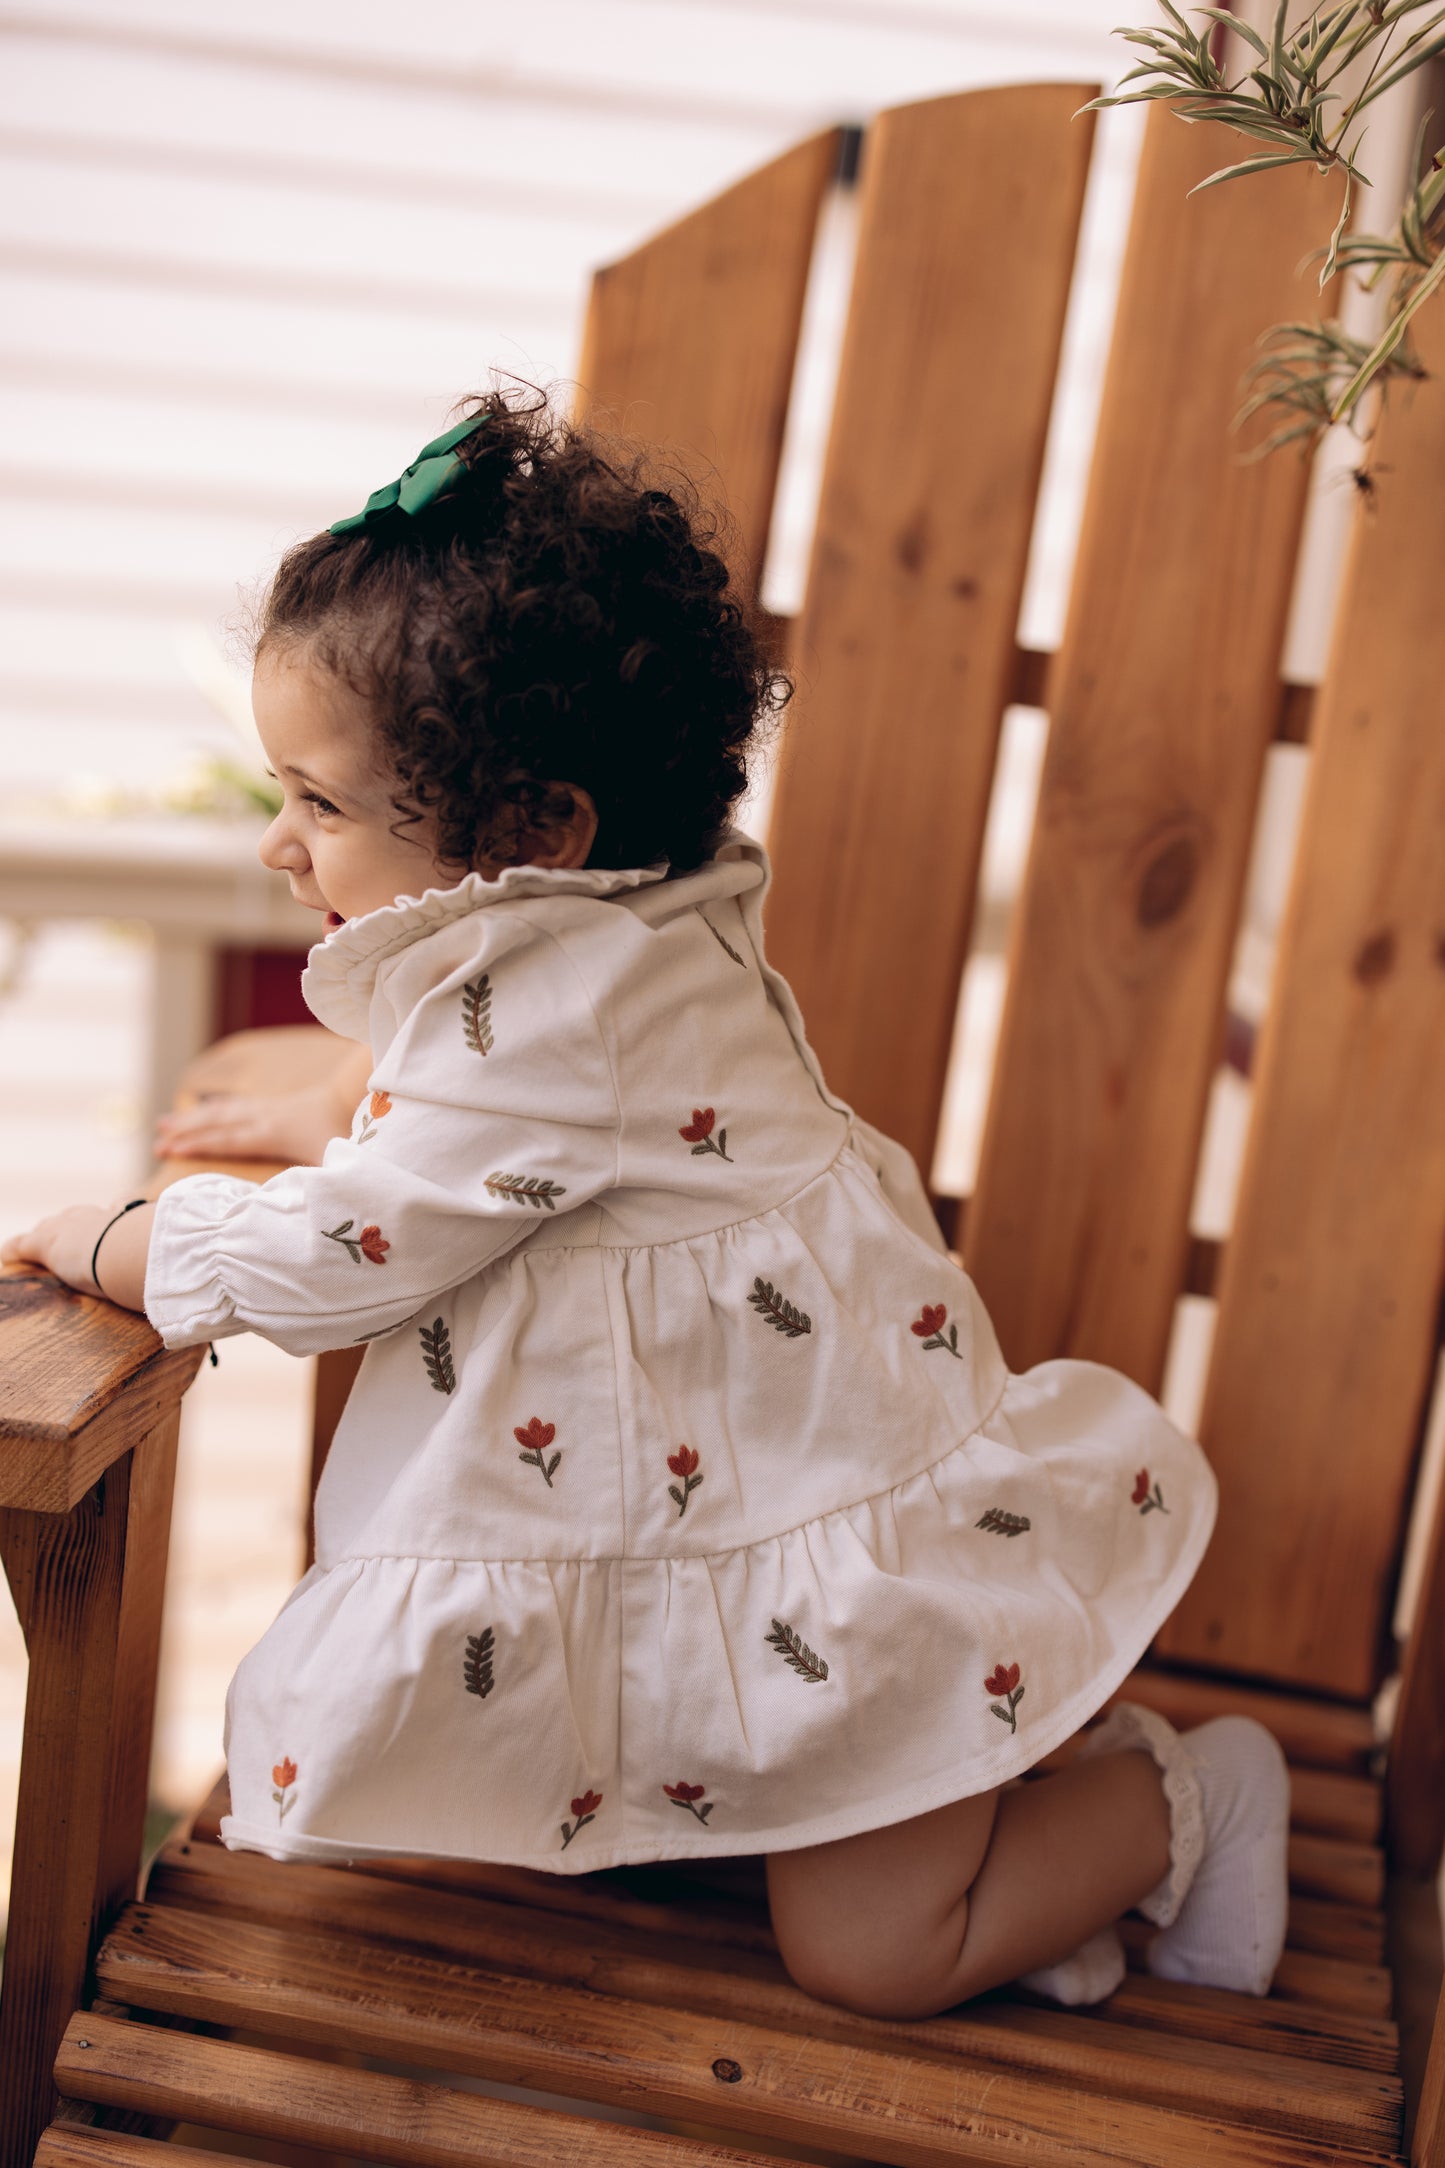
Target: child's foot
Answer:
pixel 1094 1971
pixel 1223 1905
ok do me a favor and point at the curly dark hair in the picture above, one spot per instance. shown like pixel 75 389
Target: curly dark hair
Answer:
pixel 552 618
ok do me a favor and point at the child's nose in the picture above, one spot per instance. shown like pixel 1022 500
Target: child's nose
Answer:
pixel 280 849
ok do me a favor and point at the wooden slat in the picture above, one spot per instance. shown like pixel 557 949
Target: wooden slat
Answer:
pixel 1333 1805
pixel 1163 702
pixel 71 2146
pixel 1319 1734
pixel 904 652
pixel 897 2108
pixel 1335 1867
pixel 1264 2087
pixel 256 2093
pixel 1329 1297
pixel 1275 2022
pixel 690 341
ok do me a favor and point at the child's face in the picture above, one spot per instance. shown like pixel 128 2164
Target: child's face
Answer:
pixel 337 837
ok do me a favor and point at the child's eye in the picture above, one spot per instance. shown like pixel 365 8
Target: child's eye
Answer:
pixel 322 805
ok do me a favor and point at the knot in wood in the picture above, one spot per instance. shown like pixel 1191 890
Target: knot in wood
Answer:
pixel 1168 879
pixel 726 2069
pixel 1375 958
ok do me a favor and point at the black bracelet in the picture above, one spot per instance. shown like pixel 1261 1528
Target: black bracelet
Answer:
pixel 105 1230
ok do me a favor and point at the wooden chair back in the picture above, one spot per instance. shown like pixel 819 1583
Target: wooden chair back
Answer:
pixel 1162 703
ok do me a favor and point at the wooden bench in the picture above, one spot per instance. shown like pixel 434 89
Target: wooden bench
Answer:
pixel 347 2012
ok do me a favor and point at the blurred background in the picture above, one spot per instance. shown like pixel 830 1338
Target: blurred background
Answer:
pixel 249 260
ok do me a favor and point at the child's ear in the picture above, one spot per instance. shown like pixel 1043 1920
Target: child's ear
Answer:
pixel 565 841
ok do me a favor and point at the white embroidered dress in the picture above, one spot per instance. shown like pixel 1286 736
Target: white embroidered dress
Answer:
pixel 684 1502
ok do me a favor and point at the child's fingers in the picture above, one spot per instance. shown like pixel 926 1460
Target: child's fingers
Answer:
pixel 214 1126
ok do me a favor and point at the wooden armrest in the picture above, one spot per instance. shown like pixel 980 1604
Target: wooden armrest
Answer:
pixel 82 1383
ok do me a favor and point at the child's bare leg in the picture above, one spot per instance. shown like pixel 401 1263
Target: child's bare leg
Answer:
pixel 906 1921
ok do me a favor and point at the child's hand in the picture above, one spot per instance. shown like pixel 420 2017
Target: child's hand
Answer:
pixel 294 1127
pixel 65 1243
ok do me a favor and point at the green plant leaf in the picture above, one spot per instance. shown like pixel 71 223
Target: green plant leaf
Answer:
pixel 1253 165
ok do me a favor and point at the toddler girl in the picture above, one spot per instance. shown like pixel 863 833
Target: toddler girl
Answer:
pixel 684 1503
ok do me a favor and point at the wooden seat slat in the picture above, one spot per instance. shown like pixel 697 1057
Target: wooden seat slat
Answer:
pixel 72 2146
pixel 254 2092
pixel 1162 704
pixel 904 649
pixel 1273 2022
pixel 905 2108
pixel 507 1939
pixel 1329 1295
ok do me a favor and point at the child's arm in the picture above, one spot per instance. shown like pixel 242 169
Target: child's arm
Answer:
pixel 66 1242
pixel 493 1115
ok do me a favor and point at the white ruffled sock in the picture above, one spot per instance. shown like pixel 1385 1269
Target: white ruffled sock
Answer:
pixel 1096 1968
pixel 1224 1903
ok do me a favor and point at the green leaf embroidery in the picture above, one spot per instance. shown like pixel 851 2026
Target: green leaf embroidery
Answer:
pixel 477 1669
pixel 792 1323
pixel 477 1013
pixel 722 940
pixel 796 1653
pixel 436 1349
pixel 1000 1523
pixel 536 1189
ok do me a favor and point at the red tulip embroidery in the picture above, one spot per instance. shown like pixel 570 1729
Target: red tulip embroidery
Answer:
pixel 687 1795
pixel 369 1243
pixel 535 1437
pixel 1004 1681
pixel 1146 1499
pixel 585 1811
pixel 377 1109
pixel 699 1134
pixel 283 1776
pixel 929 1327
pixel 684 1464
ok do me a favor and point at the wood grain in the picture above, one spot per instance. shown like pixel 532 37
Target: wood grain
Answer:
pixel 690 341
pixel 253 2092
pixel 901 2108
pixel 70 1570
pixel 70 2146
pixel 1331 1285
pixel 904 652
pixel 1163 699
pixel 1264 2089
pixel 64 1358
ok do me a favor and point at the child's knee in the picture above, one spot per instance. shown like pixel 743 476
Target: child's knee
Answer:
pixel 900 1975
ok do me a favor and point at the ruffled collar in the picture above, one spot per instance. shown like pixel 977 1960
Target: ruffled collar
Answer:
pixel 341 970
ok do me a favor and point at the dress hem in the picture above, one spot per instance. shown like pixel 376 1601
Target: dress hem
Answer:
pixel 1013 1758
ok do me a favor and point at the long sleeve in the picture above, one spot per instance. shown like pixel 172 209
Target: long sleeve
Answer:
pixel 492 1110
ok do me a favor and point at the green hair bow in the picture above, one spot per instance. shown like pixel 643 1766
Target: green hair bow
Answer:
pixel 418 485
